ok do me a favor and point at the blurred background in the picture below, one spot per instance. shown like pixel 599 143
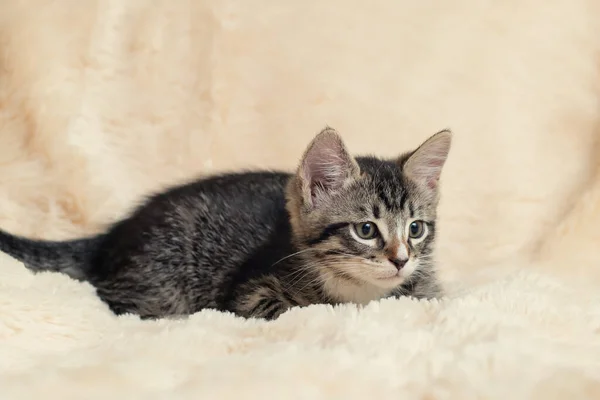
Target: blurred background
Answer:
pixel 104 102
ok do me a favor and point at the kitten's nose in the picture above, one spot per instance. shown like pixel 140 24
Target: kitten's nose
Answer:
pixel 398 262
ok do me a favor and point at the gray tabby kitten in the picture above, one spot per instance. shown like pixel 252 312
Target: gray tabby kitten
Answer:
pixel 339 230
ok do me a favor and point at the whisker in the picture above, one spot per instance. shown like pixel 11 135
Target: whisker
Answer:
pixel 294 254
pixel 296 280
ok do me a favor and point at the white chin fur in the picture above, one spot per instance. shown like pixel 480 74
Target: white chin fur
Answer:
pixel 377 281
pixel 408 269
pixel 379 274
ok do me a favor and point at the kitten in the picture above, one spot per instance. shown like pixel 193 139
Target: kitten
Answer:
pixel 258 243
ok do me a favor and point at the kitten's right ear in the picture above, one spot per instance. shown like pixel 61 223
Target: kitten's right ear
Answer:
pixel 325 167
pixel 424 165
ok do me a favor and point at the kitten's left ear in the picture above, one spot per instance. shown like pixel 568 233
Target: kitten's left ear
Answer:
pixel 325 167
pixel 424 165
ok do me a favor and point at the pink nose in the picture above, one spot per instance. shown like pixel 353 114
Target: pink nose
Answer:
pixel 398 262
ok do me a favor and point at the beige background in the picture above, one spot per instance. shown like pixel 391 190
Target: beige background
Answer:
pixel 103 102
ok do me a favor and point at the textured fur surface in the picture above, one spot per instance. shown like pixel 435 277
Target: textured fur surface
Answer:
pixel 104 102
pixel 232 242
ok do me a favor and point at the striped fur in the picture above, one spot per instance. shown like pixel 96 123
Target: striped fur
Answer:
pixel 259 243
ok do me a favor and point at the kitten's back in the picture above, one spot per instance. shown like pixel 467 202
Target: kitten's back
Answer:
pixel 188 242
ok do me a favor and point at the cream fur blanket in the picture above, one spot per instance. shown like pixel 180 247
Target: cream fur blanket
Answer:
pixel 102 102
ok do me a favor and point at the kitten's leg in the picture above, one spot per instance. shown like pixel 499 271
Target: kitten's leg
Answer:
pixel 268 308
pixel 262 298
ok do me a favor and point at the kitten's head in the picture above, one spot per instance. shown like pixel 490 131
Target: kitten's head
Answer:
pixel 366 223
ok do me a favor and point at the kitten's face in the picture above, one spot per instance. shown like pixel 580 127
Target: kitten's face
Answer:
pixel 366 224
pixel 379 229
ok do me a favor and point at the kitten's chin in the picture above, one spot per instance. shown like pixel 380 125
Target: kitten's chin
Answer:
pixel 364 281
pixel 389 277
pixel 388 282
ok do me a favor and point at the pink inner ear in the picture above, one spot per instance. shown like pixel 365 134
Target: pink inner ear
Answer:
pixel 432 183
pixel 427 169
pixel 434 168
pixel 325 165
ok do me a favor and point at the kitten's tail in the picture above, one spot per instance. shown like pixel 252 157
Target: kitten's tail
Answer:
pixel 69 257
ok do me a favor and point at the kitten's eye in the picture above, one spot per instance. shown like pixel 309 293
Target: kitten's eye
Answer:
pixel 366 230
pixel 416 229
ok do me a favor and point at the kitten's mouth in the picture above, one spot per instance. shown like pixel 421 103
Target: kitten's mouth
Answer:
pixel 396 276
pixel 382 275
pixel 391 273
pixel 390 277
pixel 387 278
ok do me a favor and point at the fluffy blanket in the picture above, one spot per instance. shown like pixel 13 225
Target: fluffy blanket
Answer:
pixel 103 102
pixel 522 336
